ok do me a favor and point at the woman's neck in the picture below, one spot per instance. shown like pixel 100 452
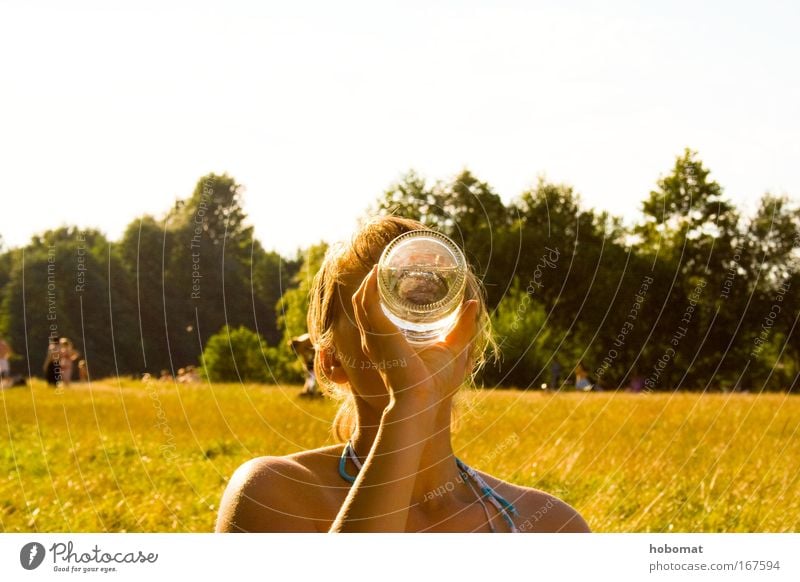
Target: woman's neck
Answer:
pixel 438 480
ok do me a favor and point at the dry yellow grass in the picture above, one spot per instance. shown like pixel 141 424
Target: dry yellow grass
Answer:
pixel 122 456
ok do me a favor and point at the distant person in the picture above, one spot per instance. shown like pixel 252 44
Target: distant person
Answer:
pixel 165 376
pixel 555 375
pixel 83 371
pixel 582 381
pixel 305 350
pixel 67 357
pixel 636 383
pixel 52 363
pixel 5 356
pixel 190 375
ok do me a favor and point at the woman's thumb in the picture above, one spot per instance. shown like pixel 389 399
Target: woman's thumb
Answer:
pixel 464 331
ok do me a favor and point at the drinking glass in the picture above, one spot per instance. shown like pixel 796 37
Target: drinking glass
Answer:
pixel 421 282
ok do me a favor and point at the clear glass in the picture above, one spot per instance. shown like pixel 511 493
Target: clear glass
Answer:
pixel 421 282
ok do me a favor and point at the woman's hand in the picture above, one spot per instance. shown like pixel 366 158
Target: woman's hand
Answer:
pixel 419 382
pixel 425 376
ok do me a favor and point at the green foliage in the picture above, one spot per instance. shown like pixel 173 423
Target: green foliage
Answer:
pixel 293 308
pixel 235 355
pixel 773 240
pixel 412 198
pixel 68 283
pixel 465 209
pixel 520 326
pixel 293 305
pixel 562 282
pixel 206 276
pixel 687 206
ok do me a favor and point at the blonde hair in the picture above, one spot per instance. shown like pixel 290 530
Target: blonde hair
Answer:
pixel 357 258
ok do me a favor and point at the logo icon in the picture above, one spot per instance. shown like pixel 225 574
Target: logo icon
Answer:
pixel 31 555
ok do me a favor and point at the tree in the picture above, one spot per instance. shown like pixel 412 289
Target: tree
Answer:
pixel 475 217
pixel 293 306
pixel 773 237
pixel 272 276
pixel 141 249
pixel 59 286
pixel 523 333
pixel 575 261
pixel 770 263
pixel 692 230
pixel 410 197
pixel 464 209
pixel 209 255
pixel 235 355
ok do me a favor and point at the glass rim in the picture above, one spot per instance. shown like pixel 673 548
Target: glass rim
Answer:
pixel 452 292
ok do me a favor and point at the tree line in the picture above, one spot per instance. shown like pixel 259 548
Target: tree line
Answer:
pixel 695 295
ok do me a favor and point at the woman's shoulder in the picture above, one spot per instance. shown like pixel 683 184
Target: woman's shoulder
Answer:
pixel 278 493
pixel 538 511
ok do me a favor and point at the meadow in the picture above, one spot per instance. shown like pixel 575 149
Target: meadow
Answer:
pixel 120 455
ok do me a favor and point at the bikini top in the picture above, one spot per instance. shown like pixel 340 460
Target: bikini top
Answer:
pixel 505 508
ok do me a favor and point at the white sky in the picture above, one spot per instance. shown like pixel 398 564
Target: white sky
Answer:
pixel 316 107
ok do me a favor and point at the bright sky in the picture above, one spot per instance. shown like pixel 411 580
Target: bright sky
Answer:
pixel 316 107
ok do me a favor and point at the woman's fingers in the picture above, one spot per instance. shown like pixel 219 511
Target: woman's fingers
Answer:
pixel 400 365
pixel 384 338
pixel 371 302
pixel 462 334
pixel 379 336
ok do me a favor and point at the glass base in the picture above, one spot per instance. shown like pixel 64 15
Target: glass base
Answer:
pixel 423 333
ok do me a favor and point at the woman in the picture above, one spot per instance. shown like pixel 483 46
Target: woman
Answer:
pixel 52 366
pixel 5 355
pixel 66 358
pixel 582 381
pixel 395 470
pixel 305 351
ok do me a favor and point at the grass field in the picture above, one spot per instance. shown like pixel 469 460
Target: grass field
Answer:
pixel 123 456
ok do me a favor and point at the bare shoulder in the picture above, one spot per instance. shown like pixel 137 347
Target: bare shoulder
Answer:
pixel 276 494
pixel 539 511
